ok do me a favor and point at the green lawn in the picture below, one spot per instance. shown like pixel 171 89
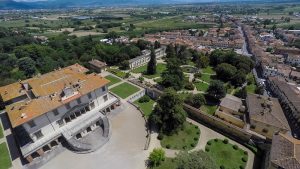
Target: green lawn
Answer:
pixel 146 107
pixel 1 131
pixel 5 161
pixel 251 88
pixel 209 109
pixel 185 139
pixel 112 79
pixel 201 86
pixel 124 90
pixel 117 72
pixel 160 67
pixel 226 155
pixel 208 70
pixel 167 164
pixel 206 78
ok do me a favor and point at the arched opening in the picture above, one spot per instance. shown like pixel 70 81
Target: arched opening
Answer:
pixel 46 148
pixel 35 155
pixel 78 136
pixel 89 129
pixel 53 143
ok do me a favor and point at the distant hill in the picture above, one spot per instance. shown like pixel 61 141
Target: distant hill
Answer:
pixel 36 4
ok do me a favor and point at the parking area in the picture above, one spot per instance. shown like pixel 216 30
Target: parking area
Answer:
pixel 124 150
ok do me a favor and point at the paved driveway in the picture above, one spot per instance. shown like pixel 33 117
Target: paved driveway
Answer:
pixel 125 150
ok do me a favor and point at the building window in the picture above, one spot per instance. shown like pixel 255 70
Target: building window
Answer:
pixel 60 122
pixel 31 123
pixel 38 134
pixel 68 106
pixel 55 112
pixel 92 105
pixel 105 98
pixel 89 95
pixel 103 89
pixel 78 101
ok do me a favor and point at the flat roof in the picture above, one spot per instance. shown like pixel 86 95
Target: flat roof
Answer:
pixel 46 90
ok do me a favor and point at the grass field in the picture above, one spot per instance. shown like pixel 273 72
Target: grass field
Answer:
pixel 208 70
pixel 159 69
pixel 251 88
pixel 225 155
pixel 1 131
pixel 117 72
pixel 209 109
pixel 112 79
pixel 124 90
pixel 167 164
pixel 201 86
pixel 5 161
pixel 185 139
pixel 146 107
pixel 206 78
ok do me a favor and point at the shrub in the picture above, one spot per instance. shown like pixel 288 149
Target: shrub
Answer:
pixel 235 147
pixel 168 146
pixel 241 167
pixel 196 127
pixel 144 99
pixel 189 86
pixel 246 153
pixel 156 156
pixel 209 143
pixel 198 132
pixel 206 149
pixel 222 167
pixel 225 141
pixel 196 138
pixel 193 144
pixel 160 136
pixel 197 75
pixel 216 140
pixel 184 147
pixel 244 159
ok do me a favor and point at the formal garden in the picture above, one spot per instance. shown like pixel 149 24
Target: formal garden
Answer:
pixel 226 155
pixel 145 104
pixel 160 67
pixel 124 90
pixel 185 139
pixel 113 80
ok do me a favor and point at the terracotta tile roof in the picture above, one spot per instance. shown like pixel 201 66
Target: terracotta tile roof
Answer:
pixel 46 90
pixel 231 102
pixel 97 63
pixel 266 110
pixel 285 151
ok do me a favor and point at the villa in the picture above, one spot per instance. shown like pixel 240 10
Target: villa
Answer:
pixel 63 106
pixel 145 57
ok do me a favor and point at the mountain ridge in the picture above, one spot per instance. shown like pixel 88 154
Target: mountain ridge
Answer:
pixel 46 4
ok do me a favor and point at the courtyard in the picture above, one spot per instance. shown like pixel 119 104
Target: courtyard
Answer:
pixel 124 150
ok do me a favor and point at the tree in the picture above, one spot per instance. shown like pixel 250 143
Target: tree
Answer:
pixel 142 44
pixel 170 51
pixel 124 65
pixel 202 61
pixel 259 90
pixel 225 71
pixel 216 90
pixel 239 79
pixel 151 67
pixel 242 93
pixel 156 157
pixel 27 65
pixel 112 35
pixel 156 45
pixel 168 113
pixel 196 100
pixel 173 76
pixel 194 160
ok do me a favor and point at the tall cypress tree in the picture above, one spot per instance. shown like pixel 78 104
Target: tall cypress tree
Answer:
pixel 151 67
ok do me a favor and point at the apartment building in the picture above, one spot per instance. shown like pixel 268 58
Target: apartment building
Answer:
pixel 63 106
pixel 266 116
pixel 288 94
pixel 145 57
